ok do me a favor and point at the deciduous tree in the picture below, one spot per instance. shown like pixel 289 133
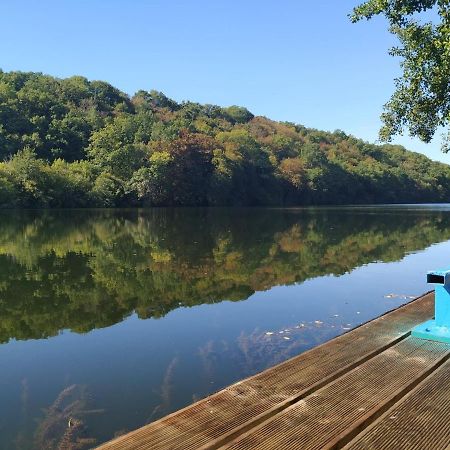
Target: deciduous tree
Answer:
pixel 421 101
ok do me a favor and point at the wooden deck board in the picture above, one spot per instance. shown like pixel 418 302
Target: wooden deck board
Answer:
pixel 421 420
pixel 327 417
pixel 234 416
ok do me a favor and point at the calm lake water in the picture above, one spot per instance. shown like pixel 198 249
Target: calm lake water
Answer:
pixel 111 319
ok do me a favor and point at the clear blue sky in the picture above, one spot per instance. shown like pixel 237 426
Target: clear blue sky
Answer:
pixel 301 61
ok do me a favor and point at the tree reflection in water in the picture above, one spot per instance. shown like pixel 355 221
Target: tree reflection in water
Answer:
pixel 88 269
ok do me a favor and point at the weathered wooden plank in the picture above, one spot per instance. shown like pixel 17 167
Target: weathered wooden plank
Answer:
pixel 331 416
pixel 216 420
pixel 420 421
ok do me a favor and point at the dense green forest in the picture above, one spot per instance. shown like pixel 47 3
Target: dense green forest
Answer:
pixel 75 143
pixel 91 269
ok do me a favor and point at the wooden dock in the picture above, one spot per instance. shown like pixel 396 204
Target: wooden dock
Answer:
pixel 375 387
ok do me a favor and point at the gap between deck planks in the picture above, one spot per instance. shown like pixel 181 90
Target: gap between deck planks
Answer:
pixel 320 399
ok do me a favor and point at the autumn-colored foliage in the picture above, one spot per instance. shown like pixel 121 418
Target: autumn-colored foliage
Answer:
pixel 77 143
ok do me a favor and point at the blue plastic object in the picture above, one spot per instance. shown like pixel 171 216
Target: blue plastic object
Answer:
pixel 437 329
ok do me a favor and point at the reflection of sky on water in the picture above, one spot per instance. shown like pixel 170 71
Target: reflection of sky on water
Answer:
pixel 117 378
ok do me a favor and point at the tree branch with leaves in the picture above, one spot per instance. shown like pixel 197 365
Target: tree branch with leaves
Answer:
pixel 421 101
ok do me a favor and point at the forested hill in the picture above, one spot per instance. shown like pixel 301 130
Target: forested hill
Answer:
pixel 73 143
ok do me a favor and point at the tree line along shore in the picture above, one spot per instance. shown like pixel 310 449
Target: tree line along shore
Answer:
pixel 79 143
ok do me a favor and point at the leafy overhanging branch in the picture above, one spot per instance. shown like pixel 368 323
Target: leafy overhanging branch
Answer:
pixel 421 101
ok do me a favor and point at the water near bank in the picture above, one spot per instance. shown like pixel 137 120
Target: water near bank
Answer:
pixel 110 319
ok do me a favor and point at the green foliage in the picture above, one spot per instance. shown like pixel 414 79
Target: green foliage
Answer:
pixel 79 143
pixel 71 184
pixel 119 147
pixel 107 190
pixel 55 117
pixel 148 101
pixel 30 177
pixel 9 193
pixel 421 101
pixel 151 185
pixel 238 114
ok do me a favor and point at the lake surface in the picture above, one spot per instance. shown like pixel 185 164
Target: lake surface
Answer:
pixel 111 319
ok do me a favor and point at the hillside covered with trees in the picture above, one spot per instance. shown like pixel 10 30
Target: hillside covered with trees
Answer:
pixel 77 143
